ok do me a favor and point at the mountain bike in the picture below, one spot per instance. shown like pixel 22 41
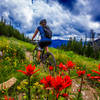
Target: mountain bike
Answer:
pixel 46 58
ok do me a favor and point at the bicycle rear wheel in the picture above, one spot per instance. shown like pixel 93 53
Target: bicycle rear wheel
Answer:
pixel 49 60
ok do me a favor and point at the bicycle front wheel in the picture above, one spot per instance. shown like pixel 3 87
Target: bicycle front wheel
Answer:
pixel 49 60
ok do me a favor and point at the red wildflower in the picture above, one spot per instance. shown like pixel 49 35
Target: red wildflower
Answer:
pixel 50 68
pixel 65 95
pixel 62 67
pixel 47 82
pixel 70 64
pixel 96 72
pixel 99 67
pixel 57 95
pixel 98 80
pixel 88 75
pixel 29 70
pixel 6 98
pixel 95 77
pixel 60 83
pixel 80 73
pixel 62 74
pixel 67 81
pixel 79 90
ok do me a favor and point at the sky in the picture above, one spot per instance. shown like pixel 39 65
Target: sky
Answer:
pixel 66 18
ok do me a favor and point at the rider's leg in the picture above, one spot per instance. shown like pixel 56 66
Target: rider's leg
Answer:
pixel 46 48
pixel 47 43
pixel 38 55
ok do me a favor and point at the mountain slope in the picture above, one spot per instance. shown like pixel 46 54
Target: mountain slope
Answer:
pixel 60 55
pixel 9 67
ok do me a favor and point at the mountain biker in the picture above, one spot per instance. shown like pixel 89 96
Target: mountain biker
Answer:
pixel 44 41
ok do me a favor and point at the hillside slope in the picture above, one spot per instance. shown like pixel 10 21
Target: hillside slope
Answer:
pixel 16 60
pixel 60 55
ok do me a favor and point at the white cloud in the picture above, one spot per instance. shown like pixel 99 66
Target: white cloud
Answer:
pixel 62 21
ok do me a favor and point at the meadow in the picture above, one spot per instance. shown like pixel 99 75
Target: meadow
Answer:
pixel 84 76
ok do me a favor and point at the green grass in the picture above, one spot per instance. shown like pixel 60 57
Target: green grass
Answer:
pixel 63 56
pixel 9 70
pixel 26 45
pixel 60 56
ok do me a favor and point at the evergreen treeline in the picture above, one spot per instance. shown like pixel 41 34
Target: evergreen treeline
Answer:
pixel 85 49
pixel 10 31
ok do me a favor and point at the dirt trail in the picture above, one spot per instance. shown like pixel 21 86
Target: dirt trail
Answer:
pixel 88 93
pixel 29 56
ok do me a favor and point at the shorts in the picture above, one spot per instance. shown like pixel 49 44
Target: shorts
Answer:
pixel 43 44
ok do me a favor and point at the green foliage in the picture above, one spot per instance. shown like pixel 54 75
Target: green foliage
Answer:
pixel 10 31
pixel 9 67
pixel 63 56
pixel 13 57
pixel 85 49
pixel 12 50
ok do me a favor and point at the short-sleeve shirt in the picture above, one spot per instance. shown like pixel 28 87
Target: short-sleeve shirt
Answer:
pixel 42 34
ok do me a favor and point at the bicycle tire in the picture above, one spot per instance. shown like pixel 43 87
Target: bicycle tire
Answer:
pixel 49 61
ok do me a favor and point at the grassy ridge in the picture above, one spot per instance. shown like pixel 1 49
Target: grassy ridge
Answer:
pixel 63 56
pixel 60 55
pixel 10 65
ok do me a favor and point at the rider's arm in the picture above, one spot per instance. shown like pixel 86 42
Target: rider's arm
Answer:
pixel 35 34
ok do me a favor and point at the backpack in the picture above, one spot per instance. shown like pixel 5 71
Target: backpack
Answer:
pixel 48 32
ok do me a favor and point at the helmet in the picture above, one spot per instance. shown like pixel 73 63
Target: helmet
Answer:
pixel 43 21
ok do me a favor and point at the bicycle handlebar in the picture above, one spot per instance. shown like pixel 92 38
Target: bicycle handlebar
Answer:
pixel 34 41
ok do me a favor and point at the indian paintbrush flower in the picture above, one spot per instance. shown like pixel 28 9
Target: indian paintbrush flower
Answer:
pixel 64 95
pixel 47 81
pixel 70 64
pixel 6 98
pixel 51 68
pixel 80 73
pixel 60 83
pixel 95 77
pixel 88 75
pixel 29 70
pixel 62 66
pixel 56 83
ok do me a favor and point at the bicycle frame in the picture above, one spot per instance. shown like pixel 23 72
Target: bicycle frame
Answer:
pixel 45 57
pixel 42 51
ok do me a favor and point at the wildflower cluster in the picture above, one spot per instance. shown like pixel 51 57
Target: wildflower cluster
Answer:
pixel 95 77
pixel 56 83
pixel 62 67
pixel 13 51
pixel 6 98
pixel 70 65
pixel 80 73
